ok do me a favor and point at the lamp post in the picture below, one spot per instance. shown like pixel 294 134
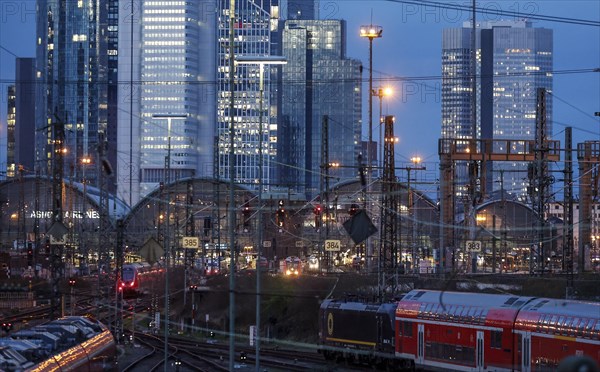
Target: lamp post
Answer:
pixel 85 162
pixel 371 32
pixel 380 93
pixel 261 61
pixel 169 118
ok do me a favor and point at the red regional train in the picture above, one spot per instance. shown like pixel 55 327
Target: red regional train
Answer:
pixel 132 276
pixel 455 331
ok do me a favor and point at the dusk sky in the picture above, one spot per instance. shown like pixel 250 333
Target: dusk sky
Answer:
pixel 408 58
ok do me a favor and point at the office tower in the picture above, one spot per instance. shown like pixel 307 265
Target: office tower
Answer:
pixel 318 80
pixel 10 131
pixel 302 9
pixel 167 57
pixel 513 61
pixel 76 83
pixel 24 129
pixel 255 26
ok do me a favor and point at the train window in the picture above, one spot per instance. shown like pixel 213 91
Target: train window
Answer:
pixel 588 328
pixel 560 326
pixel 450 312
pixel 574 326
pixel 553 324
pixel 496 339
pixel 471 314
pixel 580 327
pixel 457 311
pixel 422 310
pixel 540 323
pixel 427 312
pixel 407 329
pixel 484 313
pixel 464 314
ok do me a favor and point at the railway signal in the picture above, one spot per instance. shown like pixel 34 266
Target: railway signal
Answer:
pixel 246 213
pixel 7 327
pixel 280 217
pixel 318 210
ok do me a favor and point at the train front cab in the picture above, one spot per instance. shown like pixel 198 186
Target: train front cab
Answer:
pixel 457 331
pixel 547 331
pixel 357 332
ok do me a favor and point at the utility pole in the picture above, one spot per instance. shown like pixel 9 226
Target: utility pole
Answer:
pixel 232 216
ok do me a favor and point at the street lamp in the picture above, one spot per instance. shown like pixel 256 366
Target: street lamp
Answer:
pixel 371 32
pixel 380 93
pixel 261 61
pixel 86 161
pixel 169 118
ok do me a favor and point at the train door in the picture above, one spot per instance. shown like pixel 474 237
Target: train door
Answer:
pixel 479 352
pixel 526 353
pixel 420 343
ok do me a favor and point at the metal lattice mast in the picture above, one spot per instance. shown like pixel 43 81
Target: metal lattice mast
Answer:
pixel 57 212
pixel 567 258
pixel 388 248
pixel 540 180
pixel 119 269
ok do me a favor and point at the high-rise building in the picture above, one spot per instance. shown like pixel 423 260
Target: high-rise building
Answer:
pixel 76 80
pixel 24 129
pixel 167 54
pixel 255 29
pixel 11 110
pixel 318 80
pixel 302 9
pixel 513 61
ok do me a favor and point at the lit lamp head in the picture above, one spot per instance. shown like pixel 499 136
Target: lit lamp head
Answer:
pixel 371 31
pixel 416 159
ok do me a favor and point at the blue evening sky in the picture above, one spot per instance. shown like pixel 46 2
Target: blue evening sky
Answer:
pixel 410 48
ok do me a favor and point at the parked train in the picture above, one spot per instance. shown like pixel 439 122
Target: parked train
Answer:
pixel 75 343
pixel 456 331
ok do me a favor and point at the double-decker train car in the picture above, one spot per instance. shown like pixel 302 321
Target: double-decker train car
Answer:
pixel 547 331
pixel 74 343
pixel 363 333
pixel 455 331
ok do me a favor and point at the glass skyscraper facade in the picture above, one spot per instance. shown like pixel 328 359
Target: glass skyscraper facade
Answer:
pixel 76 63
pixel 318 80
pixel 513 61
pixel 168 54
pixel 255 28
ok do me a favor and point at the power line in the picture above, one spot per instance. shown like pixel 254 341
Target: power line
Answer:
pixel 489 10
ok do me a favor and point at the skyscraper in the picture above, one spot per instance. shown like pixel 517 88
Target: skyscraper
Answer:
pixel 167 54
pixel 513 61
pixel 318 80
pixel 255 27
pixel 76 80
pixel 302 9
pixel 24 129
